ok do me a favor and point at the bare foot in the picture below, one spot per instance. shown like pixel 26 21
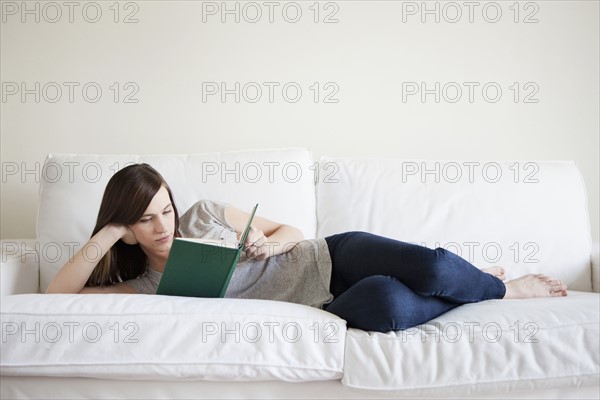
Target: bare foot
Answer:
pixel 537 285
pixel 498 272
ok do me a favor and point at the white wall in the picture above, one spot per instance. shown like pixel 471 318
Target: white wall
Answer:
pixel 371 57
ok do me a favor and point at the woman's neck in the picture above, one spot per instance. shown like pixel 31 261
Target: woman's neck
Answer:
pixel 157 263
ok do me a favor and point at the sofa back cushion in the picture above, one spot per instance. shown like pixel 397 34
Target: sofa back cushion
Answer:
pixel 530 217
pixel 281 181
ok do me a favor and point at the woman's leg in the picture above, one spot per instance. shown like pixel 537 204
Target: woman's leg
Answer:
pixel 428 272
pixel 382 303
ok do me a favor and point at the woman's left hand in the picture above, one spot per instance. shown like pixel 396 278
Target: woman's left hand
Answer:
pixel 255 247
pixel 268 238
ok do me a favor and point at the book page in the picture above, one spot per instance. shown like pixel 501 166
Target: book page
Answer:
pixel 211 242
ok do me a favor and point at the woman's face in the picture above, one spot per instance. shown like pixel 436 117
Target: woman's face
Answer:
pixel 154 230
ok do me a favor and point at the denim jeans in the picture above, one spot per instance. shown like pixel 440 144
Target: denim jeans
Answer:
pixel 381 284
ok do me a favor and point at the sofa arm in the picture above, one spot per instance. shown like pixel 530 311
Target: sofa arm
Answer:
pixel 19 267
pixel 596 267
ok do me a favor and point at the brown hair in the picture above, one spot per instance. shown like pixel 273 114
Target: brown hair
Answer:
pixel 126 197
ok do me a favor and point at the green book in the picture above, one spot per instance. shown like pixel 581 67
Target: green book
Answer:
pixel 200 267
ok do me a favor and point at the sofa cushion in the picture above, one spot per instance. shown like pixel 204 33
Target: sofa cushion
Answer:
pixel 19 267
pixel 530 217
pixel 492 346
pixel 133 336
pixel 71 189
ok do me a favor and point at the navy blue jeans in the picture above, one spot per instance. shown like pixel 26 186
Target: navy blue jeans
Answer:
pixel 381 284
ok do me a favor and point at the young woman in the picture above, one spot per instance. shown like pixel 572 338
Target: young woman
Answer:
pixel 372 282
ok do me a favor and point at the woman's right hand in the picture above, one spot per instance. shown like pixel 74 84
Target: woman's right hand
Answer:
pixel 128 236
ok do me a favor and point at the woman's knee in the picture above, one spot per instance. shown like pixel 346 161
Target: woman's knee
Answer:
pixel 375 303
pixel 388 310
pixel 436 271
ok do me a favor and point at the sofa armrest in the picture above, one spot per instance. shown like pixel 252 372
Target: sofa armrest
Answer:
pixel 19 267
pixel 596 267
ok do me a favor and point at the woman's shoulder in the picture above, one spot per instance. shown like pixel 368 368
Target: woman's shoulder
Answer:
pixel 205 207
pixel 202 214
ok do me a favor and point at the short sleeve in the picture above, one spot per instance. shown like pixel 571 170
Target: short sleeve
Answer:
pixel 206 219
pixel 145 284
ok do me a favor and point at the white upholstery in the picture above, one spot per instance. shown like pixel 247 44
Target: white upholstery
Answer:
pixel 20 266
pixel 538 224
pixel 38 387
pixel 494 345
pixel 596 267
pixel 128 336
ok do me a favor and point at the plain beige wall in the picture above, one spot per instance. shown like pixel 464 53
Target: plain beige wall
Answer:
pixel 367 58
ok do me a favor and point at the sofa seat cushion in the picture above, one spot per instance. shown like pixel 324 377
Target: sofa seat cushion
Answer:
pixel 134 336
pixel 489 346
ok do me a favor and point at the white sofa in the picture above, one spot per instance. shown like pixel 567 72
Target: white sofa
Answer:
pixel 529 216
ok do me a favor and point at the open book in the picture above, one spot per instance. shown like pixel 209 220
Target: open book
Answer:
pixel 201 267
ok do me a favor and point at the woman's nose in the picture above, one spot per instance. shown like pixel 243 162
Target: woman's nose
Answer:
pixel 160 225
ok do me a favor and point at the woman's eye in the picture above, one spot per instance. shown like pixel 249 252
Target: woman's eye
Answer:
pixel 145 220
pixel 168 211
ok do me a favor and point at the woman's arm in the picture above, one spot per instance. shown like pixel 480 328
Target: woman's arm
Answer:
pixel 74 274
pixel 266 238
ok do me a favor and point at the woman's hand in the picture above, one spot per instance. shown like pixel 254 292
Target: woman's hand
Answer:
pixel 266 238
pixel 255 245
pixel 127 235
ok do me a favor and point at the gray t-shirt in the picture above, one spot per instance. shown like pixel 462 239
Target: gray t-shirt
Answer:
pixel 301 275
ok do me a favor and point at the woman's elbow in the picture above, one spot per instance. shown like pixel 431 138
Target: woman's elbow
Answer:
pixel 297 234
pixel 54 289
pixel 51 289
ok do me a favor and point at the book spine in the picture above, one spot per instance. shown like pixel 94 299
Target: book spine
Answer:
pixel 235 261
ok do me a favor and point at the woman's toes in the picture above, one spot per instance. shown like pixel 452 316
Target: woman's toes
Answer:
pixel 496 271
pixel 564 290
pixel 557 288
pixel 501 273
